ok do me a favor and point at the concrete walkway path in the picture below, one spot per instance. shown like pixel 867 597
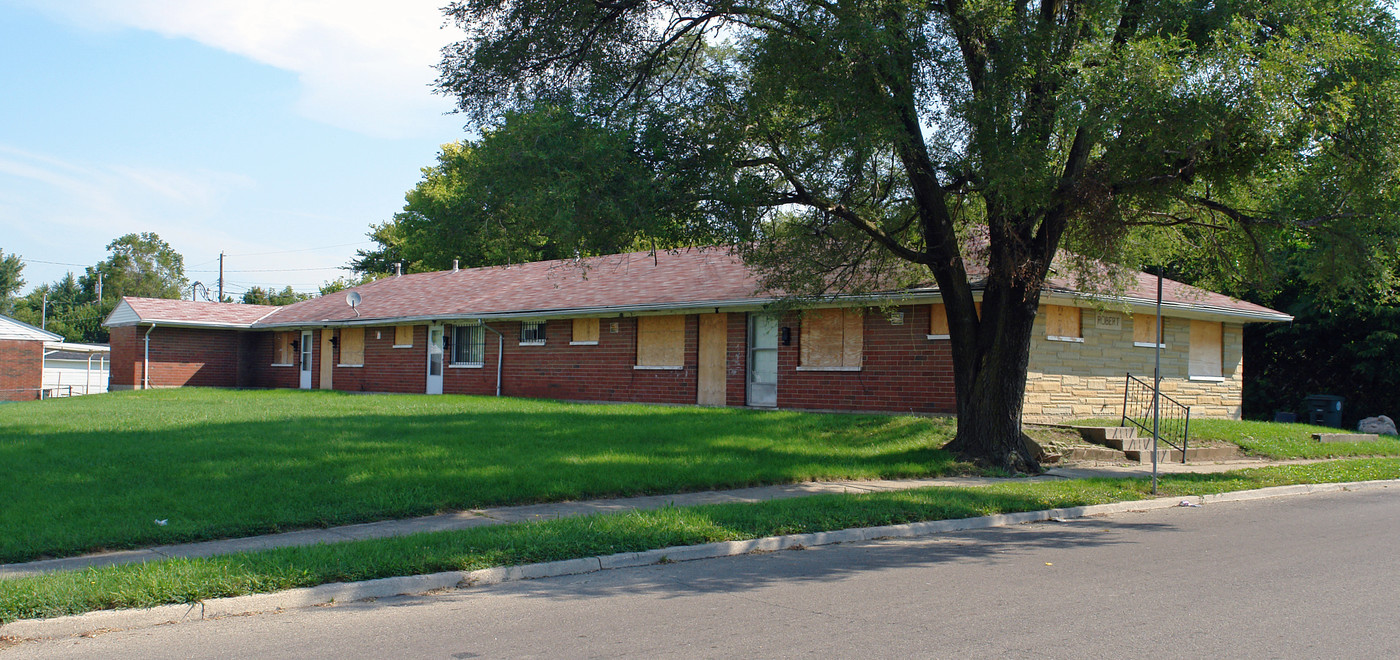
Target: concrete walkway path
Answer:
pixel 510 514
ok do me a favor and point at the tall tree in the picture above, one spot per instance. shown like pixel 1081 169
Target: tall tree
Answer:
pixel 970 140
pixel 547 183
pixel 260 296
pixel 140 265
pixel 11 280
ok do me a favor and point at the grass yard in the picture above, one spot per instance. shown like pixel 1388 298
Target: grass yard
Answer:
pixel 97 472
pixel 191 580
pixel 1276 440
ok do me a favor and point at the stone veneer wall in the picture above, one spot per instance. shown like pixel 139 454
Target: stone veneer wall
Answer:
pixel 1068 380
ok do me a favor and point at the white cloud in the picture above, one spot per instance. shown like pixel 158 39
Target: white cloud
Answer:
pixel 364 65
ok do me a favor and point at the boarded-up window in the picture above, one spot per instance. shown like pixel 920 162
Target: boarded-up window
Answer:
pixel 282 350
pixel 661 341
pixel 1145 329
pixel 352 347
pixel 1062 322
pixel 938 320
pixel 585 331
pixel 832 339
pixel 1206 347
pixel 403 336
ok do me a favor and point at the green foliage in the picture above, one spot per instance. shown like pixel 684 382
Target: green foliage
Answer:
pixel 545 184
pixel 259 296
pixel 140 265
pixel 345 282
pixel 976 138
pixel 1346 347
pixel 11 280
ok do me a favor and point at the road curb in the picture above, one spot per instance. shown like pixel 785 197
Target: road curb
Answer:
pixel 110 620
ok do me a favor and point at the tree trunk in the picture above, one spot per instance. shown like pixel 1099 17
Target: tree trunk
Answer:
pixel 990 379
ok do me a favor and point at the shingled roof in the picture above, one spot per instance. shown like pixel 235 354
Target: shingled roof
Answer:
pixel 689 279
pixel 187 313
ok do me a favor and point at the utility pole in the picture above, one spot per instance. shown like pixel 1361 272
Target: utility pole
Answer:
pixel 99 287
pixel 44 314
pixel 221 277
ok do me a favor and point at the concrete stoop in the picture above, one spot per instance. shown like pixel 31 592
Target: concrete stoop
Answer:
pixel 1123 443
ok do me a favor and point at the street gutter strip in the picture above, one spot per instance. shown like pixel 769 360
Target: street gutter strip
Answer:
pixel 417 585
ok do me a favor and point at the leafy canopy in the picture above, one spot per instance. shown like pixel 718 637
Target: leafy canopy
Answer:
pixel 546 183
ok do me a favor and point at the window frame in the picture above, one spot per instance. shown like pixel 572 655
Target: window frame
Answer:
pixel 652 329
pixel 340 347
pixel 1054 311
pixel 473 337
pixel 585 323
pixel 850 343
pixel 398 329
pixel 532 333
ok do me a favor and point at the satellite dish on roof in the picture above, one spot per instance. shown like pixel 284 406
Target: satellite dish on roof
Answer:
pixel 353 300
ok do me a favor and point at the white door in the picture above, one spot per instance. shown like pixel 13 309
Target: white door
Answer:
pixel 763 360
pixel 306 347
pixel 434 359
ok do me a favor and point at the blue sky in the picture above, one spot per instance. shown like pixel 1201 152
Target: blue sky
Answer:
pixel 274 131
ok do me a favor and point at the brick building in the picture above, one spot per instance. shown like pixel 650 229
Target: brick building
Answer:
pixel 22 359
pixel 686 328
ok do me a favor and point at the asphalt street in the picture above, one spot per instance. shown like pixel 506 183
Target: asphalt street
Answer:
pixel 1296 577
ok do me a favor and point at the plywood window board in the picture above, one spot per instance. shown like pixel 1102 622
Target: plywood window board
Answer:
pixel 832 339
pixel 661 341
pixel 1062 322
pixel 585 331
pixel 282 352
pixel 1145 329
pixel 403 336
pixel 1206 349
pixel 352 347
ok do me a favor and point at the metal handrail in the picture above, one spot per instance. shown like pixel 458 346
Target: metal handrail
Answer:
pixel 1174 419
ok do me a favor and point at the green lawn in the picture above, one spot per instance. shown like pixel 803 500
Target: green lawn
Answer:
pixel 96 472
pixel 191 580
pixel 1276 440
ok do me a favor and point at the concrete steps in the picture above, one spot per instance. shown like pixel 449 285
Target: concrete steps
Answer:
pixel 1127 445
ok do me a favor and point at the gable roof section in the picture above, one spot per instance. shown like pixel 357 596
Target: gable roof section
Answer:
pixel 20 331
pixel 637 282
pixel 1176 296
pixel 185 313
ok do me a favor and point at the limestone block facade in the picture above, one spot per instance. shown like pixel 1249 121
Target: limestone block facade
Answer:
pixel 1079 379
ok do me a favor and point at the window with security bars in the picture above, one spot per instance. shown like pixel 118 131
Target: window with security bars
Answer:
pixel 468 345
pixel 532 332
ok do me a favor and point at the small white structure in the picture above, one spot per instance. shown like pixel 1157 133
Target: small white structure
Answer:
pixel 76 369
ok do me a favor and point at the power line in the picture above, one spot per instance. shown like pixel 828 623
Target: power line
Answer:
pixel 310 249
pixel 269 270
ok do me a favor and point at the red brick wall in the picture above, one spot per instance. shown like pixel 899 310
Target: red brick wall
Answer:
pixel 178 357
pixel 21 369
pixel 125 371
pixel 901 369
pixel 603 372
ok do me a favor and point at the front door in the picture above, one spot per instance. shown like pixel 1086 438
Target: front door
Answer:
pixel 763 360
pixel 710 390
pixel 306 359
pixel 327 358
pixel 434 359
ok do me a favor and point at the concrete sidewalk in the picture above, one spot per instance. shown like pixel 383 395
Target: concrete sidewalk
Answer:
pixel 503 515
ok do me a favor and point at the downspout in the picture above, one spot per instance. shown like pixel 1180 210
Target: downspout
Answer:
pixel 146 364
pixel 500 351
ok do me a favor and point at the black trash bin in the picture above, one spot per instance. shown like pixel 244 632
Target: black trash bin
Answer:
pixel 1324 409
